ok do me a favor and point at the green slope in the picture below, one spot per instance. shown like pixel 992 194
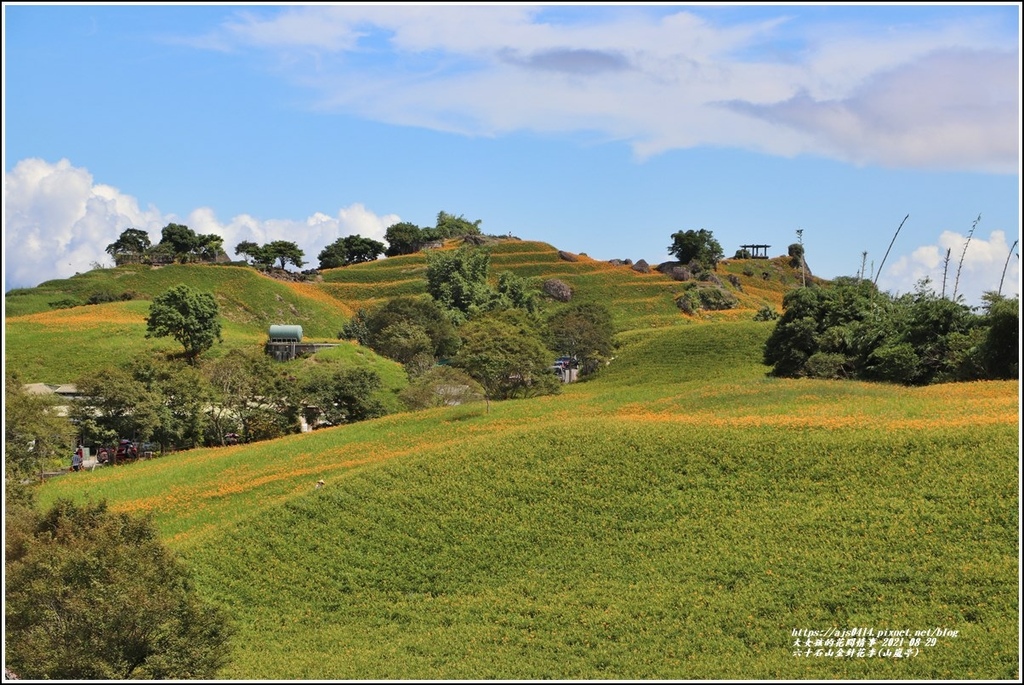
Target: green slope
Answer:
pixel 675 518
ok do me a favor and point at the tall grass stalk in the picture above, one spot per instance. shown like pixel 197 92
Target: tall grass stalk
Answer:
pixel 970 234
pixel 1006 264
pixel 890 247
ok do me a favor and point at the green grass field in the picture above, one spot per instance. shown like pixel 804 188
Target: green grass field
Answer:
pixel 678 517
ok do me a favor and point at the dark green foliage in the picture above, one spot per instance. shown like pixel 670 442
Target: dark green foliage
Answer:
pixel 180 240
pixel 188 316
pixel 1000 352
pixel 36 433
pixel 284 251
pixel 457 280
pixel 505 354
pixel 91 594
pixel 181 396
pixel 418 312
pixel 766 313
pixel 514 292
pixel 742 253
pixel 132 243
pixel 696 245
pixel 403 238
pixel 252 396
pixel 343 396
pixel 715 298
pixel 914 339
pixel 114 405
pixel 451 226
pixel 352 249
pixel 583 331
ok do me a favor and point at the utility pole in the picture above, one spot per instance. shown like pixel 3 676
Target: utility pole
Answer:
pixel 803 262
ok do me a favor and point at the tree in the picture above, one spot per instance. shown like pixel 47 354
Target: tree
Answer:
pixel 36 433
pixel 352 249
pixel 93 594
pixel 451 226
pixel 403 238
pixel 344 396
pixel 182 241
pixel 457 280
pixel 505 354
pixel 113 405
pixel 250 250
pixel 417 311
pixel 251 395
pixel 585 332
pixel 701 246
pixel 180 393
pixel 286 251
pixel 189 316
pixel 131 243
pixel 209 246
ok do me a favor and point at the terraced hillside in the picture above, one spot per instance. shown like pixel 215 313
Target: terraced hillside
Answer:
pixel 53 334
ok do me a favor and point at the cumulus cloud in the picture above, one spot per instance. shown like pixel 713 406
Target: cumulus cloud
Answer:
pixel 935 96
pixel 983 263
pixel 58 222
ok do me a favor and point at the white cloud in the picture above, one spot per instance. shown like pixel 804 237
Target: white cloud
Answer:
pixel 58 222
pixel 943 96
pixel 981 270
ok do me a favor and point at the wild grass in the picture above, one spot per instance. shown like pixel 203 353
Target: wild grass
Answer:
pixel 675 518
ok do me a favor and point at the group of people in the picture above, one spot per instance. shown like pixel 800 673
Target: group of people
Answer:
pixel 78 459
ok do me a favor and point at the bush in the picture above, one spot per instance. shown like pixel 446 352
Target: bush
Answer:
pixel 716 298
pixel 825 365
pixel 93 594
pixel 766 313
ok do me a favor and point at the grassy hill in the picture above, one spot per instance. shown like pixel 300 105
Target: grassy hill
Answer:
pixel 50 341
pixel 677 517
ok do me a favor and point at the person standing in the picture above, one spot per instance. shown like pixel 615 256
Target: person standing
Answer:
pixel 77 458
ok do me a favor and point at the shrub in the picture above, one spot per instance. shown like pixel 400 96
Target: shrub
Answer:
pixel 716 298
pixel 766 313
pixel 825 365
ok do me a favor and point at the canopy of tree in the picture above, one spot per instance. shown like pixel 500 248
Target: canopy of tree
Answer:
pixel 188 316
pixel 92 594
pixel 699 246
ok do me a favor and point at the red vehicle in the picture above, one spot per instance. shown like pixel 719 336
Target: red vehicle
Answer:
pixel 125 451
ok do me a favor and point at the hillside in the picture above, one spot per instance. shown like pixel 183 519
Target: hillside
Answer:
pixel 676 518
pixel 52 334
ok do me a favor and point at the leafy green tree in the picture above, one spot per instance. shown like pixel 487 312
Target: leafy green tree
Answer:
pixel 403 238
pixel 181 394
pixel 701 246
pixel 505 354
pixel 352 249
pixel 516 292
pixel 585 332
pixel 37 435
pixel 451 226
pixel 189 316
pixel 417 311
pixel 457 280
pixel 209 247
pixel 113 405
pixel 251 395
pixel 343 396
pixel 249 250
pixel 181 240
pixel 404 342
pixel 285 251
pixel 132 242
pixel 1000 352
pixel 93 595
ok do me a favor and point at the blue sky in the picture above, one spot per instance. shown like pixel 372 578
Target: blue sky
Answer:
pixel 600 129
